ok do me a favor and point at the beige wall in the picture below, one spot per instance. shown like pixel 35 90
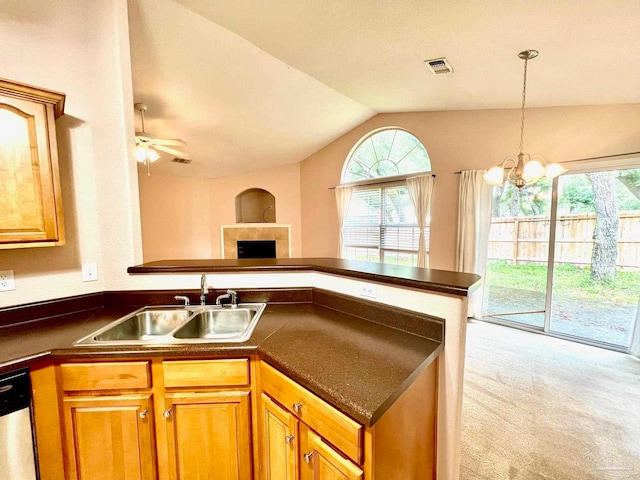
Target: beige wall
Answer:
pixel 81 49
pixel 283 182
pixel 464 140
pixel 175 216
pixel 181 217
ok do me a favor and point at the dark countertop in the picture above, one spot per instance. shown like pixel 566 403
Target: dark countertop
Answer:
pixel 441 281
pixel 358 366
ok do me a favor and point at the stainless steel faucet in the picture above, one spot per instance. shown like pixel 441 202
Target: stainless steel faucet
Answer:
pixel 183 298
pixel 204 290
pixel 232 295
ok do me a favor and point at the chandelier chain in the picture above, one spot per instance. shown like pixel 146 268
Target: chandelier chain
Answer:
pixel 526 169
pixel 524 97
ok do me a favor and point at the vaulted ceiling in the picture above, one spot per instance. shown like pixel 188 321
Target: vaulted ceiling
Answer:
pixel 251 84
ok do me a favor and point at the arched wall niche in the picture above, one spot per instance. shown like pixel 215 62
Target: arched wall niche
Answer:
pixel 255 205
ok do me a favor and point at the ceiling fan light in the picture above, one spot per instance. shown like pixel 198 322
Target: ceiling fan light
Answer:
pixel 141 154
pixel 152 155
pixel 554 170
pixel 495 176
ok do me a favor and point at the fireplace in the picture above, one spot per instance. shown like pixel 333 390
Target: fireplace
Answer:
pixel 233 235
pixel 256 248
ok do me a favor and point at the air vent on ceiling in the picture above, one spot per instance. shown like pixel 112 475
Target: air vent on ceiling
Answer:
pixel 186 161
pixel 439 66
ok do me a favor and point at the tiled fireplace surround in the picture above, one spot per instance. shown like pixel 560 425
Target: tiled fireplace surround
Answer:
pixel 230 235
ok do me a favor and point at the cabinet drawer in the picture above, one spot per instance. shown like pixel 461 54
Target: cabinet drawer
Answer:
pixel 206 373
pixel 340 430
pixel 105 376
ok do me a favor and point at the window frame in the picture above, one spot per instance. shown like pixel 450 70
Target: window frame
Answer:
pixel 380 248
pixel 352 250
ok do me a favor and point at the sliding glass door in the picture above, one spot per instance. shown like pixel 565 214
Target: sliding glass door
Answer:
pixel 565 258
pixel 596 274
pixel 517 261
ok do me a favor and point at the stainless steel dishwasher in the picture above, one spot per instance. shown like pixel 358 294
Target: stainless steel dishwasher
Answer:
pixel 17 445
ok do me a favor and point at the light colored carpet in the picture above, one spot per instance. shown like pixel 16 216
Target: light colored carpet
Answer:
pixel 536 407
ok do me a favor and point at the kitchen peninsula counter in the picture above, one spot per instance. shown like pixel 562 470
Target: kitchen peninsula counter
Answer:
pixel 441 281
pixel 348 350
pixel 359 366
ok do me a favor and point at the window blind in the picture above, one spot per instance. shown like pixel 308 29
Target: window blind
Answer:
pixel 381 224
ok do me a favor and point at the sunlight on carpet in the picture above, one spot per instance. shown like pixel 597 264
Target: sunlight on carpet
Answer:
pixel 536 407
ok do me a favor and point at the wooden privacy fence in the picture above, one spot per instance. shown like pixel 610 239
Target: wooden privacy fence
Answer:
pixel 526 239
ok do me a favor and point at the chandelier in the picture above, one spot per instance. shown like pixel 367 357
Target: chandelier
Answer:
pixel 525 169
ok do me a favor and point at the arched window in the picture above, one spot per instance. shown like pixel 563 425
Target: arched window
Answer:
pixel 389 152
pixel 380 224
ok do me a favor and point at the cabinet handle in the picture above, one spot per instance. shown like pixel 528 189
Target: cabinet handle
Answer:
pixel 143 413
pixel 167 413
pixel 308 456
pixel 289 439
pixel 297 407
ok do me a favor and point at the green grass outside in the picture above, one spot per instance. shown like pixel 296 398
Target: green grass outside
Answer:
pixel 568 280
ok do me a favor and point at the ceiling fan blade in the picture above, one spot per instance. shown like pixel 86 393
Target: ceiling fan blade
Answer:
pixel 169 141
pixel 172 151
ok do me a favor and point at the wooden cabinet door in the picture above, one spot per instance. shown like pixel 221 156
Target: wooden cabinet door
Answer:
pixel 321 462
pixel 209 435
pixel 279 442
pixel 30 199
pixel 109 438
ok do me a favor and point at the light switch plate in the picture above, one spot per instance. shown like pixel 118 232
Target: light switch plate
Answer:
pixel 7 281
pixel 89 272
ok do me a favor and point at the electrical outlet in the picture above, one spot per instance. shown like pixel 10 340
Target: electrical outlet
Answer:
pixel 7 281
pixel 368 290
pixel 89 272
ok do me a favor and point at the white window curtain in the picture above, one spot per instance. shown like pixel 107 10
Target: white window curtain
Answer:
pixel 635 339
pixel 343 199
pixel 474 220
pixel 420 189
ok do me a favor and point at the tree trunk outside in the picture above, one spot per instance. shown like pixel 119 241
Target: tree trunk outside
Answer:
pixel 605 233
pixel 514 205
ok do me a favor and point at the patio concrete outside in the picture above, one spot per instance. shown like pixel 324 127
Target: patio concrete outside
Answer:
pixel 600 319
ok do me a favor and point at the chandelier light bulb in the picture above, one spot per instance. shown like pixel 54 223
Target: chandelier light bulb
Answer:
pixel 533 170
pixel 554 170
pixel 495 176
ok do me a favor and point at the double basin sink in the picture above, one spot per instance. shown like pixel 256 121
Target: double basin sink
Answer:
pixel 176 324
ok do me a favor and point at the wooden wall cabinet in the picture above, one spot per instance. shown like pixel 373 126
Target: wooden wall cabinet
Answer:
pixel 30 198
pixel 157 419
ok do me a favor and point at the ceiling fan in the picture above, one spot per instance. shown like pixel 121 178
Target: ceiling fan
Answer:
pixel 147 144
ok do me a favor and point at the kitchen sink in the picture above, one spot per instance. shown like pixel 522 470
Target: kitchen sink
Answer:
pixel 178 325
pixel 223 323
pixel 145 325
